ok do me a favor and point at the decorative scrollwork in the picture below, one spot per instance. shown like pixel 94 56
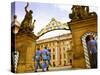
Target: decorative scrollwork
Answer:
pixel 53 25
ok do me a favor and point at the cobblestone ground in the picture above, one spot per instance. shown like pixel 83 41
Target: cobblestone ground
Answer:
pixel 57 69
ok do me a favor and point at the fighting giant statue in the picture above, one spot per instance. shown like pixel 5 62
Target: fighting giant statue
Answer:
pixel 80 12
pixel 25 43
pixel 27 24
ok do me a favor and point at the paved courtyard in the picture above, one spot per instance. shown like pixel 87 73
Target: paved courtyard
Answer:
pixel 57 68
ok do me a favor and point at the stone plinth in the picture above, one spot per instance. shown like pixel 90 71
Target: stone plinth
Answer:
pixel 25 45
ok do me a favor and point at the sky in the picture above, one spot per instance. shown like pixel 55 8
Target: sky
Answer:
pixel 43 13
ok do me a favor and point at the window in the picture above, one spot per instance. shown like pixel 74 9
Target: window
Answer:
pixel 64 48
pixel 60 62
pixel 54 64
pixel 49 44
pixel 53 57
pixel 70 61
pixel 64 63
pixel 50 50
pixel 63 42
pixel 64 55
pixel 53 49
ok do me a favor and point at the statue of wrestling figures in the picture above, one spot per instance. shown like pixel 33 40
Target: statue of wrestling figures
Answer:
pixel 26 24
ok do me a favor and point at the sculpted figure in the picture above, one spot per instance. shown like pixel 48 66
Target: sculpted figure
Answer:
pixel 27 22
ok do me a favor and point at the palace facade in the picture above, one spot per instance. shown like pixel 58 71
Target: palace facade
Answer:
pixel 60 48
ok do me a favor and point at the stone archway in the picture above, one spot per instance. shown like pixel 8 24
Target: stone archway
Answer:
pixel 86 54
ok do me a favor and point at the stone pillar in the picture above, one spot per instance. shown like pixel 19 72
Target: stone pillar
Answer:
pixel 62 56
pixel 78 28
pixel 25 44
pixel 57 56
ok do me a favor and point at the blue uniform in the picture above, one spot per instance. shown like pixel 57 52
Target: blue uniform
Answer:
pixel 38 54
pixel 37 59
pixel 44 57
pixel 92 46
pixel 49 58
pixel 44 54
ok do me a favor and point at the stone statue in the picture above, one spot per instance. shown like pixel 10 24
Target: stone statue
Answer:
pixel 75 12
pixel 86 10
pixel 27 24
pixel 79 12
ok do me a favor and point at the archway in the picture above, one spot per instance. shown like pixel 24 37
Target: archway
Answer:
pixel 60 57
pixel 84 43
pixel 53 25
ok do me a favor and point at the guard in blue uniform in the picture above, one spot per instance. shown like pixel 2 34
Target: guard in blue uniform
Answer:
pixel 92 46
pixel 49 59
pixel 44 58
pixel 37 59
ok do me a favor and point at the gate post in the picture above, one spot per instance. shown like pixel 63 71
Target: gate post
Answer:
pixel 25 44
pixel 80 24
